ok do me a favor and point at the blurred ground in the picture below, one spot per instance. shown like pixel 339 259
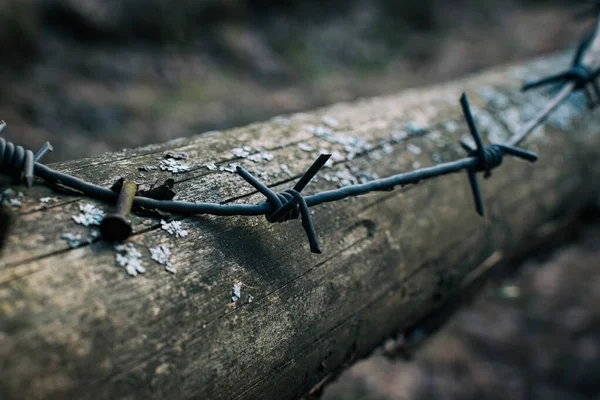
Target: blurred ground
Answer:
pixel 99 75
pixel 533 336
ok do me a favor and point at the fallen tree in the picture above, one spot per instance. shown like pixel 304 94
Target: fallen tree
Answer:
pixel 250 312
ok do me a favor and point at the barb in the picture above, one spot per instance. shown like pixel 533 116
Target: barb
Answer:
pixel 488 158
pixel 582 75
pixel 291 204
pixel 15 160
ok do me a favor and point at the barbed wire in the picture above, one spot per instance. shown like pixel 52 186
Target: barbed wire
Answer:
pixel 582 75
pixel 290 204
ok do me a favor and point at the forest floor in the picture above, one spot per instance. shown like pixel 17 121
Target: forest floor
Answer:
pixel 72 78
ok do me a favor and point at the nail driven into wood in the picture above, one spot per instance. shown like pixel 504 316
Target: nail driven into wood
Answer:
pixel 115 227
pixel 47 147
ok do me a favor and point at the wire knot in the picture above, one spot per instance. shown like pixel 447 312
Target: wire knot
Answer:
pixel 579 74
pixel 290 204
pixel 582 77
pixel 491 158
pixel 17 162
pixel 288 209
pixel 486 158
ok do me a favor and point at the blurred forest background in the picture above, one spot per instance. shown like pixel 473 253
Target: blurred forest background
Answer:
pixel 99 75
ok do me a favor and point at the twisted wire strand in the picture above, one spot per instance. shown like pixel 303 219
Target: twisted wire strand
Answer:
pixel 582 75
pixel 17 162
pixel 291 204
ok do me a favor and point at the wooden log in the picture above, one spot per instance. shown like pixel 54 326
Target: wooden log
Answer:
pixel 74 324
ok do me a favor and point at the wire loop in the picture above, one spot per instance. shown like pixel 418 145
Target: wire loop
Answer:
pixel 16 162
pixel 290 204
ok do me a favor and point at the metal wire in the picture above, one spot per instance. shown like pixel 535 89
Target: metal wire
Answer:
pixel 582 75
pixel 291 204
pixel 15 160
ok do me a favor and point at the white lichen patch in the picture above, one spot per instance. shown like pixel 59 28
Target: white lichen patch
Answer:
pixel 262 174
pixel 262 156
pixel 330 121
pixel 376 155
pixel 128 257
pixel 488 125
pixel 231 168
pixel 398 136
pixel 9 199
pixel 493 97
pixel 512 119
pixel 15 203
pixel 321 131
pixel 174 166
pixel 73 240
pixel 76 240
pixel 346 178
pixel 89 215
pixel 161 254
pixel 353 145
pixel 336 156
pixel 285 169
pixel 305 147
pixel 281 120
pixel 414 149
pixel 330 178
pixel 240 152
pixel 387 148
pixel 176 155
pixel 450 126
pixel 562 118
pixel 414 128
pixel 364 176
pixel 174 228
pixel 236 292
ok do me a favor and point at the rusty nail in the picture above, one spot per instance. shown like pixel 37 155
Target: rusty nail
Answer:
pixel 43 151
pixel 115 227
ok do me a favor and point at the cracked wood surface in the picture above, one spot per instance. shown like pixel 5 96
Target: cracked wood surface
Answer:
pixel 73 324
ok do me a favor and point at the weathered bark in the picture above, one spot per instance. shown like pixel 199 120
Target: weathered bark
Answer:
pixel 73 324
